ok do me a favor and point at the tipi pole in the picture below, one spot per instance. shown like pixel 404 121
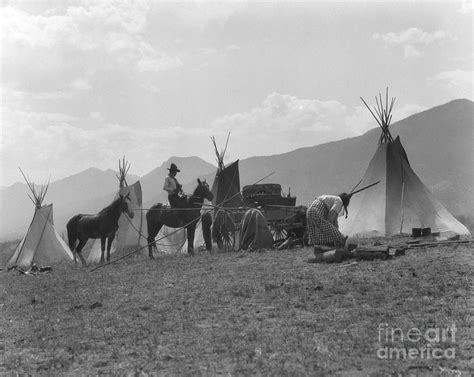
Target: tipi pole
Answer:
pixel 357 185
pixel 402 199
pixel 364 188
pixel 402 215
pixel 140 235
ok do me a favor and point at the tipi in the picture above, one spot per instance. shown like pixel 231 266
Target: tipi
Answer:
pixel 400 202
pixel 41 245
pixel 226 191
pixel 129 236
pixel 226 185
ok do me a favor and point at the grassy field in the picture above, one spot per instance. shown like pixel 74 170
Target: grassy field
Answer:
pixel 264 313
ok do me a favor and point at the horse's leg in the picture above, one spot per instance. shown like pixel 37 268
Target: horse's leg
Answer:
pixel 153 229
pixel 102 249
pixel 72 235
pixel 206 221
pixel 191 229
pixel 110 239
pixel 79 247
pixel 74 254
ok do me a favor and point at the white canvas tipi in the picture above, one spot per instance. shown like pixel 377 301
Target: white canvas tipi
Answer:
pixel 400 201
pixel 41 244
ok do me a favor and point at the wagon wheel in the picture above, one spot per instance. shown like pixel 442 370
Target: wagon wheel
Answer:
pixel 224 231
pixel 278 231
pixel 228 239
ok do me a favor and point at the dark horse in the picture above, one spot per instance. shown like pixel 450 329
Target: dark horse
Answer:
pixel 102 225
pixel 158 215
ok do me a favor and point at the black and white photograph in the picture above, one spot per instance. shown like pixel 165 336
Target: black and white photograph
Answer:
pixel 236 188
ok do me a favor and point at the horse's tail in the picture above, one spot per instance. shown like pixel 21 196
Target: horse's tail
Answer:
pixel 72 233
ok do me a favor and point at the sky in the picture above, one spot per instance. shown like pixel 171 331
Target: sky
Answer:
pixel 84 83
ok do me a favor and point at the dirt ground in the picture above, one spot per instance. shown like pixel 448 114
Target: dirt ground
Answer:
pixel 261 313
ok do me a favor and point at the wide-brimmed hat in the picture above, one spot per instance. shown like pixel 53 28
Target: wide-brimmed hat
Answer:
pixel 173 167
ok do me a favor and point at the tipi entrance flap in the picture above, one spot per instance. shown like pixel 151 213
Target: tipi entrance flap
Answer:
pixel 226 186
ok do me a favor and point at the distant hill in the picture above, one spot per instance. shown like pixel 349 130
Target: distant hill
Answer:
pixel 191 169
pixel 439 143
pixel 86 192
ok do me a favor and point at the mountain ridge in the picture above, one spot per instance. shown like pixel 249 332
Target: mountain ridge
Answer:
pixel 438 142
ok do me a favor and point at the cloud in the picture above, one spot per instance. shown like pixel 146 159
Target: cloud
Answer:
pixel 467 7
pixel 201 13
pixel 455 78
pixel 68 42
pixel 158 63
pixel 406 110
pixel 284 122
pixel 412 40
pixel 410 36
pixel 411 51
pixel 80 84
pixel 56 144
pixel 457 82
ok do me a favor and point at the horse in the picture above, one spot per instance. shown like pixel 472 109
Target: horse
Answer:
pixel 159 215
pixel 102 225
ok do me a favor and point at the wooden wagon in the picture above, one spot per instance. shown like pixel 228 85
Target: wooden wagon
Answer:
pixel 283 217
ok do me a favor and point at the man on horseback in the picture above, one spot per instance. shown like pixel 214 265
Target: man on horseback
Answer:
pixel 173 187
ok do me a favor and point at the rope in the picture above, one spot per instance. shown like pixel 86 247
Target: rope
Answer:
pixel 160 244
pixel 142 247
pixel 167 209
pixel 151 243
pixel 175 231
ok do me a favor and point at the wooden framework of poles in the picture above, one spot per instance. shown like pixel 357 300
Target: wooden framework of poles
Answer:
pixel 220 155
pixel 383 115
pixel 124 166
pixel 38 192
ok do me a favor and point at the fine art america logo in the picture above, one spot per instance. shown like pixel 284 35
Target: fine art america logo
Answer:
pixel 431 343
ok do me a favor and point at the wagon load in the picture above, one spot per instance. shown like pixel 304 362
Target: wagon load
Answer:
pixel 266 194
pixel 283 217
pixel 278 210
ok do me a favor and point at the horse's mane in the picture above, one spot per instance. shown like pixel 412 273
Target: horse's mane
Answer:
pixel 191 199
pixel 110 206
